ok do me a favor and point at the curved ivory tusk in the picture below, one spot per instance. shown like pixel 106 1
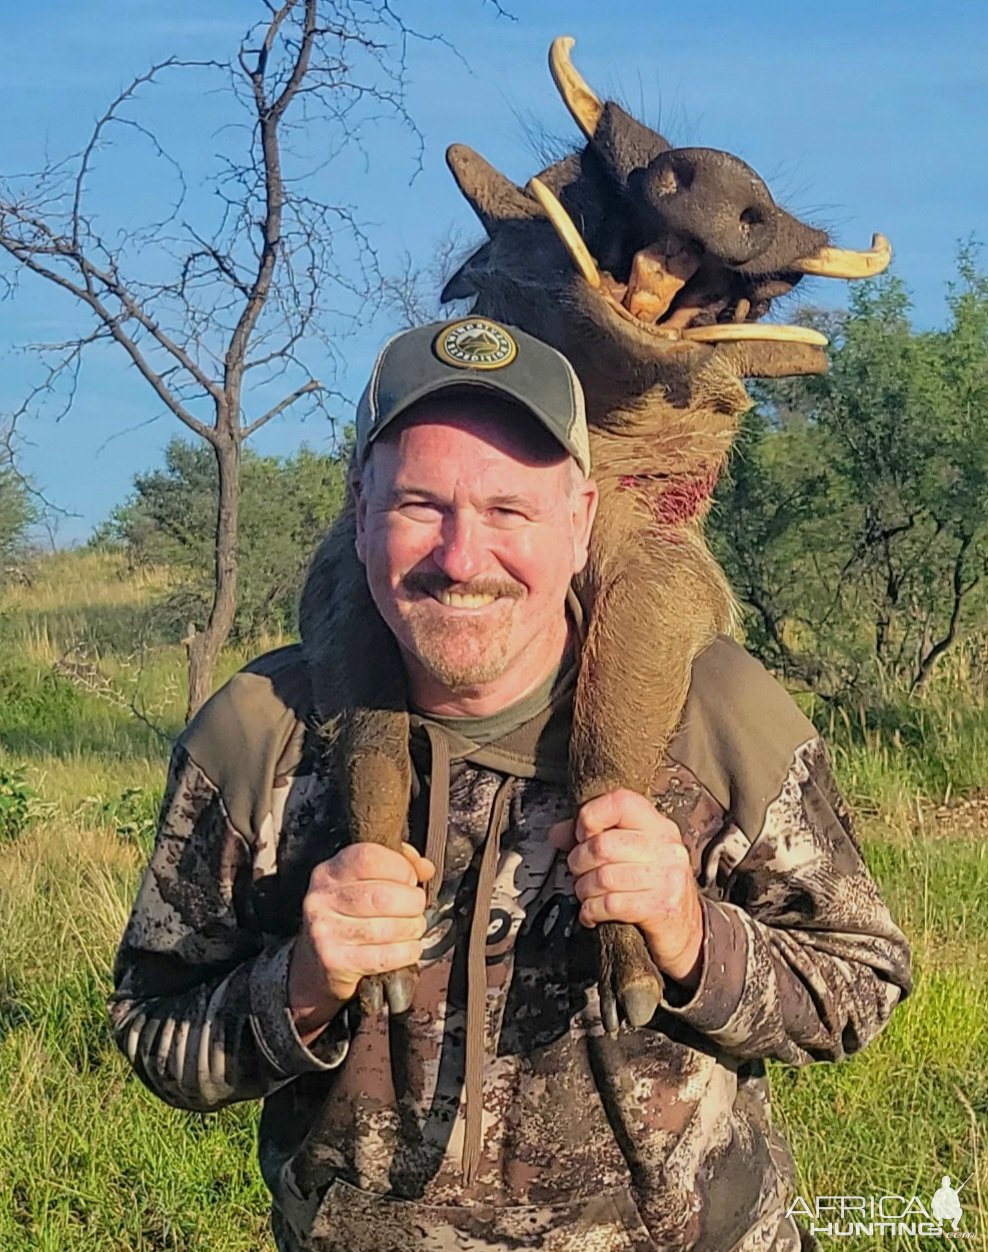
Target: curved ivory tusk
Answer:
pixel 844 263
pixel 729 332
pixel 577 96
pixel 566 230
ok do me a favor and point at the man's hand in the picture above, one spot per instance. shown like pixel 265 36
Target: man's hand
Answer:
pixel 363 913
pixel 631 865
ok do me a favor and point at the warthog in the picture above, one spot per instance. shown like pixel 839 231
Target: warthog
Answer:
pixel 651 268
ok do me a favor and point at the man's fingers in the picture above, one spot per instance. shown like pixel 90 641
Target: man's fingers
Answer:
pixel 362 861
pixel 615 845
pixel 376 899
pixel 634 907
pixel 364 914
pixel 382 959
pixel 340 932
pixel 616 878
pixel 624 809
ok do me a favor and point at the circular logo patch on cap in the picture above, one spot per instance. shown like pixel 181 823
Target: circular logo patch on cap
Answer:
pixel 475 343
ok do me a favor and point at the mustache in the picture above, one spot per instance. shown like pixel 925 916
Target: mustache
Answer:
pixel 433 584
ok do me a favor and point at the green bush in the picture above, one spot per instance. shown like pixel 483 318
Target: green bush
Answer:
pixel 133 815
pixel 287 504
pixel 853 523
pixel 35 699
pixel 19 804
pixel 17 512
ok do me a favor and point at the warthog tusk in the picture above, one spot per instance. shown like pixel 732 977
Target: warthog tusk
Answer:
pixel 727 332
pixel 845 263
pixel 566 230
pixel 581 101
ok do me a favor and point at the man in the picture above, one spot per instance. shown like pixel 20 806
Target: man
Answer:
pixel 255 922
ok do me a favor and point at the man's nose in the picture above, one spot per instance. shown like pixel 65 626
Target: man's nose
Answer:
pixel 460 553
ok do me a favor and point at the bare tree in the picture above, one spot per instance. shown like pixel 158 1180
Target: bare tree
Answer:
pixel 410 292
pixel 243 298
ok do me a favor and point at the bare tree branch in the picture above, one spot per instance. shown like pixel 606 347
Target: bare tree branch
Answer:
pixel 960 589
pixel 111 116
pixel 276 273
pixel 304 390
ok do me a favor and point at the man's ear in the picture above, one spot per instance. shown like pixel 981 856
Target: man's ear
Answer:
pixel 358 486
pixel 586 497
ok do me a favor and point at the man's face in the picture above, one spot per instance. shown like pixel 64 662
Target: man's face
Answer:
pixel 471 523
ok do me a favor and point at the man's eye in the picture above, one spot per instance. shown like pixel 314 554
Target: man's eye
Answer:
pixel 419 510
pixel 507 515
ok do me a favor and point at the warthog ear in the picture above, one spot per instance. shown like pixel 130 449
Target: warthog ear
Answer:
pixel 492 196
pixel 495 199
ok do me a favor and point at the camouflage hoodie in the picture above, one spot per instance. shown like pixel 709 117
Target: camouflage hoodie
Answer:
pixel 657 1138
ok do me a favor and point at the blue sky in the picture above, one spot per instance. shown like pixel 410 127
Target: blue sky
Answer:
pixel 861 116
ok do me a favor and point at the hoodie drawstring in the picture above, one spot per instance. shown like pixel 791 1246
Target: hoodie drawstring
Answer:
pixel 475 1045
pixel 436 834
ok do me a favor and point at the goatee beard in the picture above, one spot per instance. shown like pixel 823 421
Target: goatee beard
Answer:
pixel 461 655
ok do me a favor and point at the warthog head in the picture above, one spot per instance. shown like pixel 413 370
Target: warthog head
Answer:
pixel 641 261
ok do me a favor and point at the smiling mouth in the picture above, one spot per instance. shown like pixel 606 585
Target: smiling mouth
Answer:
pixel 464 600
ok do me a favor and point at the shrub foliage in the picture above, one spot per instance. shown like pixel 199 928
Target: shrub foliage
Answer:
pixel 854 520
pixel 286 507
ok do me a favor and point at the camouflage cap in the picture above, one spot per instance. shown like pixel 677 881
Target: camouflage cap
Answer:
pixel 475 352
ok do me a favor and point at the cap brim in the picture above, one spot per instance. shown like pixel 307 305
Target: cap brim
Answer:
pixel 482 383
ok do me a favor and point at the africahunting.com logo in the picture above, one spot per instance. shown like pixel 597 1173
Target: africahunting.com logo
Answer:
pixel 856 1216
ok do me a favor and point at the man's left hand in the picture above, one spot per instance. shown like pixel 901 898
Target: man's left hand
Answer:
pixel 630 865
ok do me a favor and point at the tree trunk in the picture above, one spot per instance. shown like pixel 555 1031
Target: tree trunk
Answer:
pixel 205 647
pixel 924 672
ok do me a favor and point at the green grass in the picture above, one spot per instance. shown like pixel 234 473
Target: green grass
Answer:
pixel 938 892
pixel 890 758
pixel 914 1104
pixel 88 1159
pixel 91 1161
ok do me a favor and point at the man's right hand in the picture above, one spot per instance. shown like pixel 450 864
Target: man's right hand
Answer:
pixel 363 913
